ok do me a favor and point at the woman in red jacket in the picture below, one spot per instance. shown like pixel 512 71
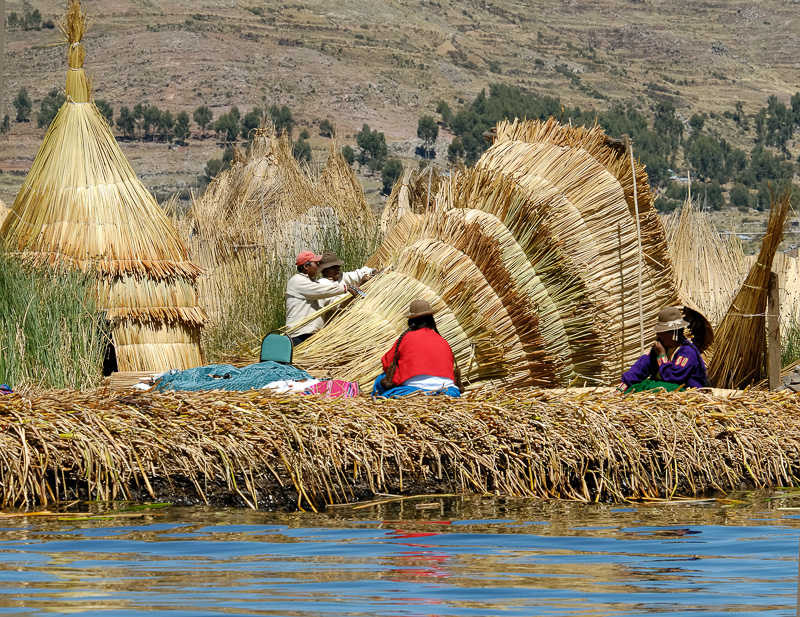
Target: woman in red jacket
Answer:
pixel 420 360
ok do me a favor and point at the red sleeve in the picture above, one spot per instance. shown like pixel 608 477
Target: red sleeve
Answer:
pixel 387 358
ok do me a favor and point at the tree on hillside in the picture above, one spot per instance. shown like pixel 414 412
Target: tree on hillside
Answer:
pixel 51 103
pixel 22 103
pixel 166 124
pixel 182 130
pixel 5 126
pixel 443 109
pixel 326 128
pixel 227 127
pixel 203 117
pixel 373 147
pixel 697 121
pixel 150 119
pixel 428 131
pixel 706 156
pixel 349 155
pixel 251 121
pixel 105 108
pixel 126 122
pixel 282 119
pixel 390 173
pixel 455 151
pixel 301 150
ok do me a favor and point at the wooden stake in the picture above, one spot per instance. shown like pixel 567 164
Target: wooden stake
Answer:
pixel 639 243
pixel 774 332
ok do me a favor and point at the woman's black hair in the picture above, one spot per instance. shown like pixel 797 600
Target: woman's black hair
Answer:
pixel 423 321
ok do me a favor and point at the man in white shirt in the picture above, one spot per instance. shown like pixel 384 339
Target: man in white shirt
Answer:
pixel 330 266
pixel 304 294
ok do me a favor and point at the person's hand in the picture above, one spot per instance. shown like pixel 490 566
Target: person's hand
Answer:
pixel 353 291
pixel 659 349
pixel 365 278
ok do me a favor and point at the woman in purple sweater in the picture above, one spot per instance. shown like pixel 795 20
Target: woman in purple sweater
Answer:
pixel 673 361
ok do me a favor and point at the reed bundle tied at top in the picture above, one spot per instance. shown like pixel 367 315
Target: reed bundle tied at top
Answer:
pixel 260 450
pixel 741 338
pixel 82 205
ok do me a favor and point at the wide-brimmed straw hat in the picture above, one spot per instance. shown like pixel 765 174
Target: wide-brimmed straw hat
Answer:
pixel 329 260
pixel 670 318
pixel 419 308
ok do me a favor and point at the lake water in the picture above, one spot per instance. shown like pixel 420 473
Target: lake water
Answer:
pixel 433 556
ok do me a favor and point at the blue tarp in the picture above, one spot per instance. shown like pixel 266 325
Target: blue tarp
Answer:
pixel 229 377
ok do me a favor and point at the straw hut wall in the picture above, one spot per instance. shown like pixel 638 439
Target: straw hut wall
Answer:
pixel 532 258
pixel 82 205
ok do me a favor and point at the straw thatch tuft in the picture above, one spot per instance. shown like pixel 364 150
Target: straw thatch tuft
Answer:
pixel 3 212
pixel 413 193
pixel 82 205
pixel 260 450
pixel 740 352
pixel 543 239
pixel 706 267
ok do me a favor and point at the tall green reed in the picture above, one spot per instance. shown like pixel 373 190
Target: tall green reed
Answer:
pixel 52 334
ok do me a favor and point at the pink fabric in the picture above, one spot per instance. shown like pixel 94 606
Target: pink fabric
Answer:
pixel 334 387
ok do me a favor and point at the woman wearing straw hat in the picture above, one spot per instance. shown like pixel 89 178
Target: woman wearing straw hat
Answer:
pixel 674 361
pixel 420 360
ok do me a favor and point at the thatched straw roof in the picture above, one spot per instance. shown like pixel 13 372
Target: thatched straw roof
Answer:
pixel 82 205
pixel 533 258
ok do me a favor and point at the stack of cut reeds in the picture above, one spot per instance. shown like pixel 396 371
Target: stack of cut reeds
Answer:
pixel 533 258
pixel 414 192
pixel 82 205
pixel 708 270
pixel 739 356
pixel 262 450
pixel 265 209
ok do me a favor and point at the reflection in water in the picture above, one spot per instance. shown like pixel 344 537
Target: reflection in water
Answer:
pixel 469 556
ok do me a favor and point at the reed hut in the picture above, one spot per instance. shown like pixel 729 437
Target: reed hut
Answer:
pixel 82 205
pixel 547 262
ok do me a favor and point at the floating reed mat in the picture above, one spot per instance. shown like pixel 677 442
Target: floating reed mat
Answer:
pixel 264 450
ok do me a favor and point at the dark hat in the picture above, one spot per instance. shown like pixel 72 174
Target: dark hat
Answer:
pixel 670 318
pixel 329 260
pixel 419 308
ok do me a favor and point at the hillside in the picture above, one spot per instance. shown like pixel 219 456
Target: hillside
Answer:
pixel 386 63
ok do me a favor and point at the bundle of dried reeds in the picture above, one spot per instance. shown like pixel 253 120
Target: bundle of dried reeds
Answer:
pixel 414 192
pixel 555 243
pixel 739 355
pixel 272 451
pixel 3 212
pixel 82 204
pixel 707 268
pixel 788 270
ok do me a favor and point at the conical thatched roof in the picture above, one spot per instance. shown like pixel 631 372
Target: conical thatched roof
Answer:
pixel 414 191
pixel 82 204
pixel 532 257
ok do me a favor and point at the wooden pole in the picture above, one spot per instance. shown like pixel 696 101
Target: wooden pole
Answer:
pixel 774 332
pixel 639 240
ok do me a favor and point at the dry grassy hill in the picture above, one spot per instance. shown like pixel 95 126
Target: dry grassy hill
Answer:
pixel 388 62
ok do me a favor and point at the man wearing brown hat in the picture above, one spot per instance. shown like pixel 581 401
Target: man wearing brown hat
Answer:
pixel 331 268
pixel 304 294
pixel 673 361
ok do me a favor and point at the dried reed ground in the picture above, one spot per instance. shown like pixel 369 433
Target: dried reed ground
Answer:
pixel 272 451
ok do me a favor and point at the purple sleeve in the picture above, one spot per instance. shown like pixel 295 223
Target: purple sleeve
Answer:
pixel 683 365
pixel 639 371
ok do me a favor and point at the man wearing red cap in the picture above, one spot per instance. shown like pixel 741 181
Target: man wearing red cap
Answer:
pixel 303 295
